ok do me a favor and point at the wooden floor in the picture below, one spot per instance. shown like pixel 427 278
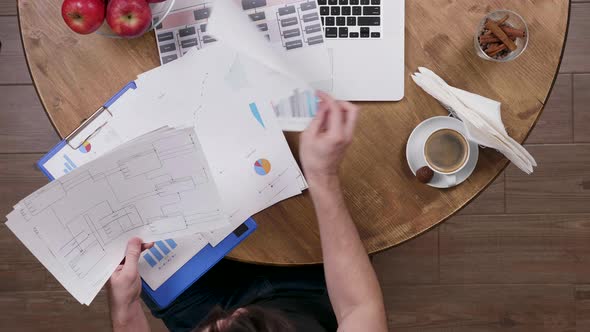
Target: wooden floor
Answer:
pixel 516 259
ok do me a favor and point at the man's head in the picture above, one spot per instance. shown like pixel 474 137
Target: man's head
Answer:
pixel 247 319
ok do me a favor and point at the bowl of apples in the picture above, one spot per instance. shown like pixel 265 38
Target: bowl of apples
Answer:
pixel 115 18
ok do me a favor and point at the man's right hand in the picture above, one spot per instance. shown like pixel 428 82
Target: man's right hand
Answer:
pixel 324 142
pixel 124 289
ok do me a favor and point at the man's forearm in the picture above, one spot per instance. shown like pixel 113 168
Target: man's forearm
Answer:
pixel 131 318
pixel 350 277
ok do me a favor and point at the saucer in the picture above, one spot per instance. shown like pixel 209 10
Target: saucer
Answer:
pixel 415 145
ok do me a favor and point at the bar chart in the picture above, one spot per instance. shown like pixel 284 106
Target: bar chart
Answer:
pixel 158 252
pixel 68 164
pixel 162 260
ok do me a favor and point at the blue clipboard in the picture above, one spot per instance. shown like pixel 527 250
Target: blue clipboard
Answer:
pixel 197 266
pixel 65 142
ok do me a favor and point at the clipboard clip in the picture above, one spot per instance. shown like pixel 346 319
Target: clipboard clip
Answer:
pixel 84 126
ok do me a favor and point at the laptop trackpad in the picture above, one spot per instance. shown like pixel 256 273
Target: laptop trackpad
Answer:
pixel 366 72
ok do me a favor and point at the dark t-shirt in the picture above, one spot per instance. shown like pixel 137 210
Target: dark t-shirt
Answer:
pixel 299 293
pixel 307 310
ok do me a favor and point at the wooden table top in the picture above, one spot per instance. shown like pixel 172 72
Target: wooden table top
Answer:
pixel 75 74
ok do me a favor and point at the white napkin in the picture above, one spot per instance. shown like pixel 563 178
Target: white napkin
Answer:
pixel 480 115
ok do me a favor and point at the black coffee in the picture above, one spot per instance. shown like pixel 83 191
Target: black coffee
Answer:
pixel 446 150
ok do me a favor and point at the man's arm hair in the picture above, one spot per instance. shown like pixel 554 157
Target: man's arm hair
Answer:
pixel 132 320
pixel 352 283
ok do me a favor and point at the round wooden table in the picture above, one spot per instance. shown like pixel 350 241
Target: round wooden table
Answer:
pixel 75 74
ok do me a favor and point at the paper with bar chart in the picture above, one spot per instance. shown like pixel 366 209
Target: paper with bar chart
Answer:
pixel 156 187
pixel 297 72
pixel 160 262
pixel 234 132
pixel 293 48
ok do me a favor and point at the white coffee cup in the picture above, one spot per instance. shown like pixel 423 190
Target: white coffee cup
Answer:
pixel 446 151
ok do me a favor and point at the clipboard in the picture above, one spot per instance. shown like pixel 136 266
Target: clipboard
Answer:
pixel 197 266
pixel 70 148
pixel 73 147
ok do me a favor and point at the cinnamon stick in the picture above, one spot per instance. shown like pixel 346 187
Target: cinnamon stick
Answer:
pixel 496 30
pixel 492 39
pixel 488 40
pixel 491 47
pixel 502 20
pixel 497 50
pixel 512 32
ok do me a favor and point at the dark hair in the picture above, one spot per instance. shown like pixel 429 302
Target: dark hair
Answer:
pixel 248 319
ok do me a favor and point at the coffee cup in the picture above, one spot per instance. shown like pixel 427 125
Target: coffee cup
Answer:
pixel 447 152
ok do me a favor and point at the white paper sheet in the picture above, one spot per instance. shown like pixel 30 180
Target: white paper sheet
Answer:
pixel 155 187
pixel 293 48
pixel 303 69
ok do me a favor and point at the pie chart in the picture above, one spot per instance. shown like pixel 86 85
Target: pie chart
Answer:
pixel 85 147
pixel 262 167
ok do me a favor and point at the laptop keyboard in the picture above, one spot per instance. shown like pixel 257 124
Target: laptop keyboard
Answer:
pixel 345 19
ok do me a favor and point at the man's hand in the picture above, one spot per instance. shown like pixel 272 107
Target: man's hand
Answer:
pixel 124 289
pixel 346 263
pixel 324 142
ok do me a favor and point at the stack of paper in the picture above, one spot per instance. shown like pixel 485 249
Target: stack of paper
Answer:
pixel 151 181
pixel 157 186
pixel 235 125
pixel 231 94
pixel 161 185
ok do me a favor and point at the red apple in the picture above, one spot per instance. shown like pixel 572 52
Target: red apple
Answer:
pixel 83 16
pixel 129 18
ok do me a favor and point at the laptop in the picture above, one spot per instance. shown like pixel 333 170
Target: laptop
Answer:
pixel 366 39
